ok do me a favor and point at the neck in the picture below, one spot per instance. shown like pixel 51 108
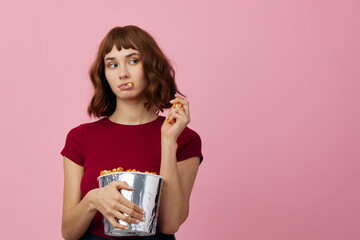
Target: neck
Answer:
pixel 132 112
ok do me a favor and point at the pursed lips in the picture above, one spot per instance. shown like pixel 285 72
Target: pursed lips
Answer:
pixel 126 84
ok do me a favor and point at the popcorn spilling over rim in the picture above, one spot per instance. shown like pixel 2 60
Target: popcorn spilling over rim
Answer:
pixel 120 169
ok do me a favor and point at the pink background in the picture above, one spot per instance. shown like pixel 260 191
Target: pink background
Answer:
pixel 274 90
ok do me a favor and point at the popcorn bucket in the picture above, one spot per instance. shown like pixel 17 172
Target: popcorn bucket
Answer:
pixel 146 194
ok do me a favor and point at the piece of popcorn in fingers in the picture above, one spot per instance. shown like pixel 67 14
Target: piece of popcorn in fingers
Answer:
pixel 176 104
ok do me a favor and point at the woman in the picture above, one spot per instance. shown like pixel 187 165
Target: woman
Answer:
pixel 129 134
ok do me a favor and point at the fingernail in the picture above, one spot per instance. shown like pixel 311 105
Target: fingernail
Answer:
pixel 143 219
pixel 143 212
pixel 137 221
pixel 172 101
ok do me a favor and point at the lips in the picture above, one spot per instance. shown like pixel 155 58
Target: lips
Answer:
pixel 125 84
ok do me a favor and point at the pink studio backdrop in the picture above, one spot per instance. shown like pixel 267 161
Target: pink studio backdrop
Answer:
pixel 274 93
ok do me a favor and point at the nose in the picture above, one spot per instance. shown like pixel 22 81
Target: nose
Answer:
pixel 123 75
pixel 123 72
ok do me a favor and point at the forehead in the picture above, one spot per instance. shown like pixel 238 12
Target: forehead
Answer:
pixel 120 54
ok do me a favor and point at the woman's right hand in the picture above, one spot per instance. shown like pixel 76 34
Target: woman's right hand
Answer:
pixel 112 204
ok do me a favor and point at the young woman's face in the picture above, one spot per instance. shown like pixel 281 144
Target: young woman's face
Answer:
pixel 125 66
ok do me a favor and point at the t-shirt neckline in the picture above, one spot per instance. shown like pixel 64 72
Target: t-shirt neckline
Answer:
pixel 137 125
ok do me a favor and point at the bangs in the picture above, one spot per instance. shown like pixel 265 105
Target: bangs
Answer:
pixel 120 38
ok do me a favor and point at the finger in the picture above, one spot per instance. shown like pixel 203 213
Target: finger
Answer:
pixel 182 101
pixel 179 110
pixel 131 206
pixel 170 118
pixel 170 121
pixel 121 199
pixel 126 218
pixel 132 215
pixel 176 117
pixel 116 224
pixel 121 185
pixel 172 109
pixel 118 210
pixel 182 113
pixel 175 105
pixel 176 109
pixel 176 102
pixel 129 211
pixel 179 117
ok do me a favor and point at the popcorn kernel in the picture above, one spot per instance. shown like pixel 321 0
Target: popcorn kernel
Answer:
pixel 176 104
pixel 120 169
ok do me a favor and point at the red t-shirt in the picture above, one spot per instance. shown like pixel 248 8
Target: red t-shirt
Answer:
pixel 105 145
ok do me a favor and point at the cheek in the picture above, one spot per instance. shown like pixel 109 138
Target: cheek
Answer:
pixel 112 84
pixel 142 78
pixel 110 78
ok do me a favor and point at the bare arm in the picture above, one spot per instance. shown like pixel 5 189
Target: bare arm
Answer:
pixel 179 178
pixel 78 213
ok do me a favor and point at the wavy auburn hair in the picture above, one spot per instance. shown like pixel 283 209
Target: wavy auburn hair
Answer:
pixel 159 73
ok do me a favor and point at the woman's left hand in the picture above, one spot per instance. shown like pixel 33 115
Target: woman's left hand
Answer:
pixel 178 117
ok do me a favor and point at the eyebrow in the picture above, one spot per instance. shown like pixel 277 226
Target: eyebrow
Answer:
pixel 127 56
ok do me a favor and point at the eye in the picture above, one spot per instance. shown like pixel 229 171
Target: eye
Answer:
pixel 110 65
pixel 134 60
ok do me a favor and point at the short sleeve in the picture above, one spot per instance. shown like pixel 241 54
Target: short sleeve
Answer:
pixel 189 145
pixel 74 145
